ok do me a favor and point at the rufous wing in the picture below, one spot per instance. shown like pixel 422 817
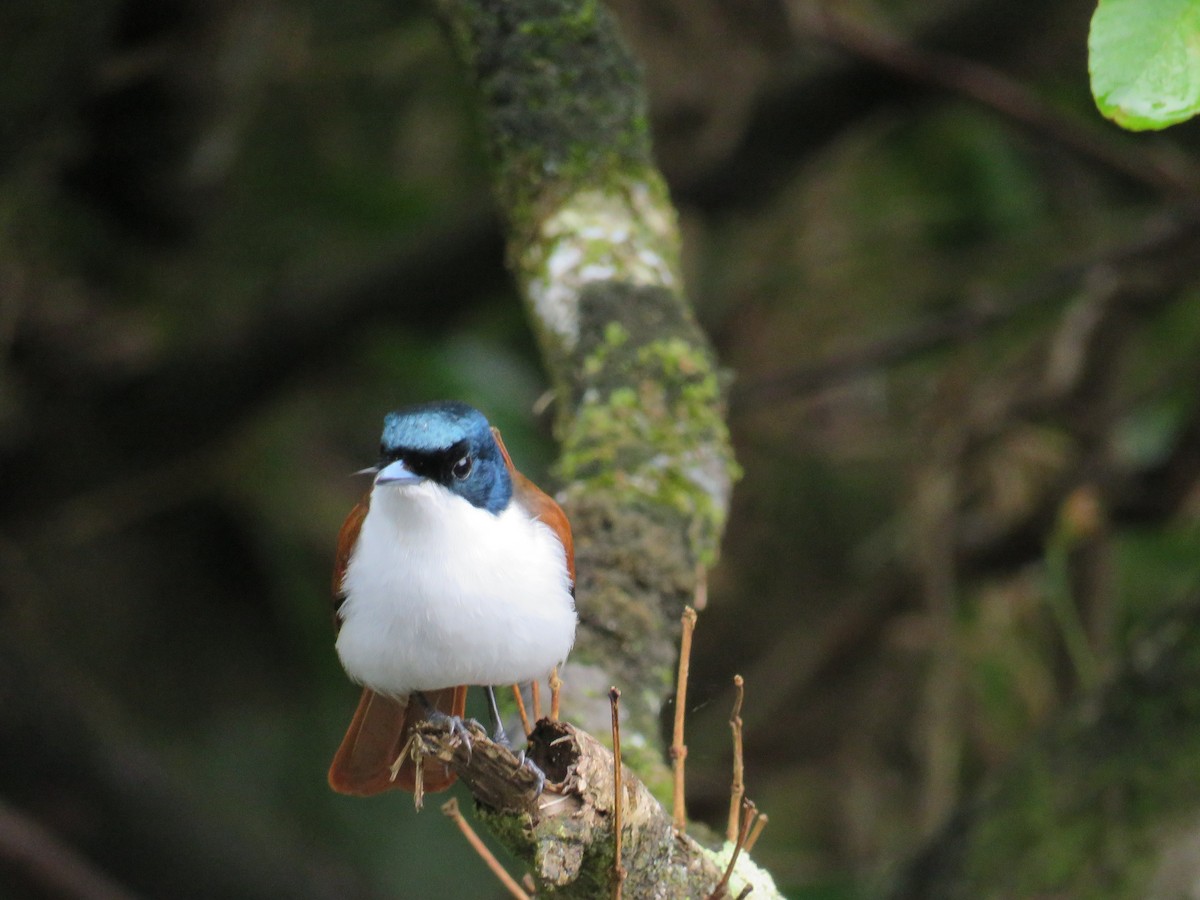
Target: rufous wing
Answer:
pixel 377 736
pixel 540 505
pixel 347 538
pixel 381 725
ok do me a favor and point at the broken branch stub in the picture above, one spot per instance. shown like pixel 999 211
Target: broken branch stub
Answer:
pixel 566 833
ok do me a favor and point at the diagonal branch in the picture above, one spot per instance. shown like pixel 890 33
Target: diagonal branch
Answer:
pixel 1170 175
pixel 226 376
pixel 593 242
pixel 1151 268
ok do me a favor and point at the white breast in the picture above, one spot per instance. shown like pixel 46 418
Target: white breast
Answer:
pixel 441 593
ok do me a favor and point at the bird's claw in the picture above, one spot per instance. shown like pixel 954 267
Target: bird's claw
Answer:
pixel 458 728
pixel 525 762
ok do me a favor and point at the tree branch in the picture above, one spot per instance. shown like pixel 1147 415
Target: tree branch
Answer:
pixel 829 96
pixel 226 377
pixel 1151 268
pixel 593 240
pixel 566 832
pixel 1169 175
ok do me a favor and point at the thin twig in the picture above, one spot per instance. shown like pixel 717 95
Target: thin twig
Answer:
pixel 1006 96
pixel 1160 242
pixel 521 709
pixel 749 813
pixel 759 825
pixel 412 750
pixel 678 747
pixel 614 701
pixel 535 690
pixel 738 787
pixel 527 883
pixel 450 808
pixel 418 783
pixel 555 690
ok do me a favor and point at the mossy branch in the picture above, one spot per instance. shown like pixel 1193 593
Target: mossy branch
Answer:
pixel 647 467
pixel 593 241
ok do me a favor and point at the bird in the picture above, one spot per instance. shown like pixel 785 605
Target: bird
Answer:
pixel 454 570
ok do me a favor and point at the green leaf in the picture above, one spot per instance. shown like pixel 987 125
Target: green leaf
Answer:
pixel 1144 59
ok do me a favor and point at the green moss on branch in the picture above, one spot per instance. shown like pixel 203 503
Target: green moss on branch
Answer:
pixel 561 97
pixel 648 425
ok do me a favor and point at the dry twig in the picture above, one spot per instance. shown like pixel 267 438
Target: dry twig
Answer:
pixel 521 709
pixel 749 813
pixel 1008 97
pixel 577 798
pixel 738 787
pixel 754 834
pixel 450 808
pixel 555 691
pixel 678 747
pixel 412 750
pixel 614 700
pixel 418 781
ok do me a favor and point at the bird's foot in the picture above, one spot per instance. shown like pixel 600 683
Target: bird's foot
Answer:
pixel 459 728
pixel 526 763
pixel 499 736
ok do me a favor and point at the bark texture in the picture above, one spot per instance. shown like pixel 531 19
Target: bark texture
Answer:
pixel 566 833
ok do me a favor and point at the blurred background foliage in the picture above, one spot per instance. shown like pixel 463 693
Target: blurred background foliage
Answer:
pixel 959 310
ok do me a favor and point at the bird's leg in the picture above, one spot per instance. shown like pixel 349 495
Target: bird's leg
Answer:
pixel 454 724
pixel 500 737
pixel 498 733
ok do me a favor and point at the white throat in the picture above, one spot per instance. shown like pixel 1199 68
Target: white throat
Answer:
pixel 441 593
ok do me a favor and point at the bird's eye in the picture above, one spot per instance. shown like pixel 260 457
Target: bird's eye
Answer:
pixel 462 468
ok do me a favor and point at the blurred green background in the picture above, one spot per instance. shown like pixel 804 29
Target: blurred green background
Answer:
pixel 234 234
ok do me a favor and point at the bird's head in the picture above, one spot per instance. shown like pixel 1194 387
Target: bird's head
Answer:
pixel 449 443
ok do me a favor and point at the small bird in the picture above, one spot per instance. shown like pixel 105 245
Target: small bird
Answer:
pixel 454 570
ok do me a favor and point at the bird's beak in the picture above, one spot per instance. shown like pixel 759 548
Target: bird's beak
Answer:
pixel 397 473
